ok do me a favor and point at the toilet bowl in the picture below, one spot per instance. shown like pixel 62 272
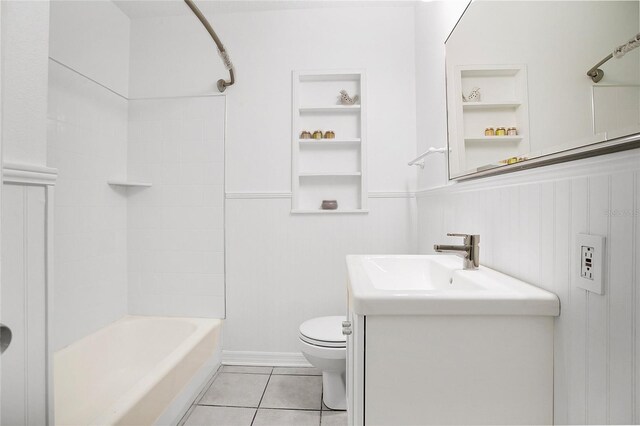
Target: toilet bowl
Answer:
pixel 324 346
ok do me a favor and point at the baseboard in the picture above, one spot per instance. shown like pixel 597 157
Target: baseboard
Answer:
pixel 276 359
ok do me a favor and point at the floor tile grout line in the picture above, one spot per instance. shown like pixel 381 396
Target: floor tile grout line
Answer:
pixel 321 402
pixel 260 402
pixel 272 374
pixel 262 408
pixel 288 409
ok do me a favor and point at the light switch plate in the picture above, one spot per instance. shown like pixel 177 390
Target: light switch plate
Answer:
pixel 591 266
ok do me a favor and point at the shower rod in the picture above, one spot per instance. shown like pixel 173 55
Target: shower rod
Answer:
pixel 596 73
pixel 222 84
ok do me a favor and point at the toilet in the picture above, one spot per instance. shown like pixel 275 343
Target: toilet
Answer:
pixel 324 346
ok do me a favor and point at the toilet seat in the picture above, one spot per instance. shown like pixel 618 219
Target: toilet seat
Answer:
pixel 324 332
pixel 322 343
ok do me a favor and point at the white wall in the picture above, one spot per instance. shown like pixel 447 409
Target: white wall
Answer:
pixel 24 36
pixel 528 222
pixel 25 44
pixel 433 22
pixel 92 37
pixel 559 93
pixel 175 56
pixel 282 269
pixel 87 142
pixel 176 227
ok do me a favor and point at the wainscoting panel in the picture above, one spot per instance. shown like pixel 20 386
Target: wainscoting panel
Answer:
pixel 283 269
pixel 528 225
pixel 23 301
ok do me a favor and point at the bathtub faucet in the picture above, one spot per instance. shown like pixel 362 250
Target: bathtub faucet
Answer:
pixel 469 251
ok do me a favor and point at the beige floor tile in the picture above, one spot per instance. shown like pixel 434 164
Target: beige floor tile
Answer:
pixel 287 418
pixel 228 416
pixel 299 392
pixel 236 390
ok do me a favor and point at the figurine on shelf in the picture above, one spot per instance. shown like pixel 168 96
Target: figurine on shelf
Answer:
pixel 345 99
pixel 474 96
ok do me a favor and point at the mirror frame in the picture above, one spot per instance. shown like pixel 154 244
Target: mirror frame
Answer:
pixel 623 143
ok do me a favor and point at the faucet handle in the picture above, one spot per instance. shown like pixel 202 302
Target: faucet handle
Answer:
pixel 468 238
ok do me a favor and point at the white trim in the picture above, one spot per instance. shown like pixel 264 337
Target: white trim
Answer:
pixel 270 359
pixel 28 174
pixel 272 195
pixel 618 162
pixel 392 194
pixel 256 195
pixel 49 289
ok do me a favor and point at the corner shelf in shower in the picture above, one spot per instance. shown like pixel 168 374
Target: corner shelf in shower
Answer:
pixel 129 184
pixel 319 166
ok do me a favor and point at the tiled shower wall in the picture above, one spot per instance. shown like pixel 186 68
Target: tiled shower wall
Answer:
pixel 87 143
pixel 176 227
pixel 528 225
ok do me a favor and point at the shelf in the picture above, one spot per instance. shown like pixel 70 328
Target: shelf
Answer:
pixel 331 108
pixel 129 183
pixel 330 174
pixel 490 105
pixel 318 142
pixel 323 169
pixel 320 211
pixel 494 139
pixel 490 71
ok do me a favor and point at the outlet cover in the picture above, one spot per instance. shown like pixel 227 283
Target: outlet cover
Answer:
pixel 590 271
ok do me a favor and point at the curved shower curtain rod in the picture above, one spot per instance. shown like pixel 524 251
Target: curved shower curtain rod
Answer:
pixel 222 84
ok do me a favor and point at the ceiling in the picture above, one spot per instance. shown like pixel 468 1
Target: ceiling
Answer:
pixel 135 9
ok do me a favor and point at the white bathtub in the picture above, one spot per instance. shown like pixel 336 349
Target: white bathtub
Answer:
pixel 132 371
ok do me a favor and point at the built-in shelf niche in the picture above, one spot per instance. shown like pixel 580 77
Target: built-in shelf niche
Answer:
pixel 328 169
pixel 503 103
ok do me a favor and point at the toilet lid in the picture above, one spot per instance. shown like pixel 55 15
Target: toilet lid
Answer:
pixel 324 329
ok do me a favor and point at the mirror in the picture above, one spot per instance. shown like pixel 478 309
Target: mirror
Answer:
pixel 517 83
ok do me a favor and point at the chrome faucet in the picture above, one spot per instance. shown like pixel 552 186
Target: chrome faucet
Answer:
pixel 470 251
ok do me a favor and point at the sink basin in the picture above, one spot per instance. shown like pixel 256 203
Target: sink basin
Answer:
pixel 437 285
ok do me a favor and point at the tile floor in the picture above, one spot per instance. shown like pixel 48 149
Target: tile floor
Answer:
pixel 262 396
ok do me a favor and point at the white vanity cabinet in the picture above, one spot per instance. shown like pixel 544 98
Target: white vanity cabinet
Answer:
pixel 432 363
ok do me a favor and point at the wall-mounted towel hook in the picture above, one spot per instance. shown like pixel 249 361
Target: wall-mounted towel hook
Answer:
pixel 416 161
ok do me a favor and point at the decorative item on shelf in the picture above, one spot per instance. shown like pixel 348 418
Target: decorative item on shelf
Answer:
pixel 317 134
pixel 501 131
pixel 305 134
pixel 489 131
pixel 345 99
pixel 513 160
pixel 473 96
pixel 512 131
pixel 329 204
pixel 329 134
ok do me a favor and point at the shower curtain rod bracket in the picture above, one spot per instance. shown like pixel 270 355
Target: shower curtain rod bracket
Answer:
pixel 221 84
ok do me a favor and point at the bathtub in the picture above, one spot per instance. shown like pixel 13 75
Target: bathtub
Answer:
pixel 136 371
